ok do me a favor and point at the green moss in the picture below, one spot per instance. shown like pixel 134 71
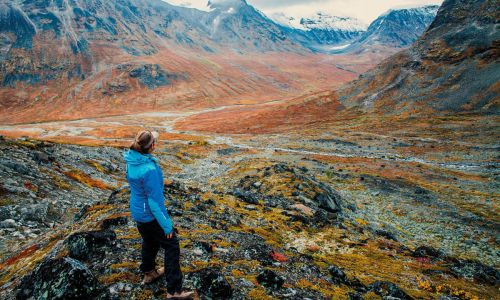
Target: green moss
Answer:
pixel 5 202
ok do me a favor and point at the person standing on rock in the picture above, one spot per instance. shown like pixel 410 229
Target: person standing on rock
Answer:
pixel 148 210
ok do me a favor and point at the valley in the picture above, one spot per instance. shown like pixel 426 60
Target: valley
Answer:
pixel 393 186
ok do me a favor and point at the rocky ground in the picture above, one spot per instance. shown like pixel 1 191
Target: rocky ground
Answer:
pixel 338 217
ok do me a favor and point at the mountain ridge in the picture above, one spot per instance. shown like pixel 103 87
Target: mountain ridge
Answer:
pixel 458 51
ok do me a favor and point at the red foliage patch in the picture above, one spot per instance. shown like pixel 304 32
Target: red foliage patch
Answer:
pixel 278 256
pixel 23 254
pixel 423 260
pixel 30 186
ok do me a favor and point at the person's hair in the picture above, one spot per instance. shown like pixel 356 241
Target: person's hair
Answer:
pixel 143 142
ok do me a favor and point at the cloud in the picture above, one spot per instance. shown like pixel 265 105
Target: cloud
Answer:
pixel 365 10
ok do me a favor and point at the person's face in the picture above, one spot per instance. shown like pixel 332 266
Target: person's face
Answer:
pixel 153 147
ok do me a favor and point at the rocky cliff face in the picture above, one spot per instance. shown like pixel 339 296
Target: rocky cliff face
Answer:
pixel 451 68
pixel 397 28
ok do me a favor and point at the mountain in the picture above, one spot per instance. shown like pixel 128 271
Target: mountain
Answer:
pixel 85 58
pixel 107 57
pixel 397 28
pixel 322 29
pixel 235 23
pixel 452 68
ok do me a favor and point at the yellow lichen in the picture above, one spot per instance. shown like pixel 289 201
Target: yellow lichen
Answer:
pixel 125 265
pixel 86 180
pixel 259 294
pixel 117 277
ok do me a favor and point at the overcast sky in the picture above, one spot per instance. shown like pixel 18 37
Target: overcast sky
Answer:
pixel 365 10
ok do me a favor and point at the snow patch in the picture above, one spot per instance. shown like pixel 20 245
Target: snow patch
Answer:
pixel 321 21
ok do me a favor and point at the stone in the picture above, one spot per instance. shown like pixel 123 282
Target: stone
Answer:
pixel 258 251
pixel 303 209
pixel 83 245
pixel 270 279
pixel 355 296
pixel 81 213
pixel 5 213
pixel 386 234
pixel 251 207
pixel 62 278
pixel 257 184
pixel 42 157
pixel 246 196
pixel 386 288
pixel 427 251
pixel 338 275
pixel 108 223
pixel 475 270
pixel 211 283
pixel 327 202
pixel 9 223
pixel 36 212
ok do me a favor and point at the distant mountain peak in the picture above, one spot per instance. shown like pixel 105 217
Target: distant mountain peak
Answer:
pixel 226 4
pixel 432 9
pixel 320 21
pixel 400 27
pixel 325 21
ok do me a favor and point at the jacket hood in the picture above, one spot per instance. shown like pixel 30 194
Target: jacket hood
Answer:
pixel 133 157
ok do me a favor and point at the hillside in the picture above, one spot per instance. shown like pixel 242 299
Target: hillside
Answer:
pixel 252 225
pixel 452 68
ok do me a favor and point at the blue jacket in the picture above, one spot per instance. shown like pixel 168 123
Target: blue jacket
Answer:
pixel 146 189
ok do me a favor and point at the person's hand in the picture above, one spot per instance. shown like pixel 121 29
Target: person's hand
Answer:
pixel 170 235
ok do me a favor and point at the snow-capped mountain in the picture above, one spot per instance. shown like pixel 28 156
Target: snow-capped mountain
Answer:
pixel 322 28
pixel 397 28
pixel 400 27
pixel 322 21
pixel 228 5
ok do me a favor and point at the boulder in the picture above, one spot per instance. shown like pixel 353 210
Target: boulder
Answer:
pixel 246 196
pixel 270 279
pixel 62 278
pixel 42 157
pixel 303 209
pixel 5 213
pixel 338 275
pixel 211 283
pixel 427 251
pixel 83 245
pixel 9 223
pixel 36 212
pixel 475 270
pixel 328 201
pixel 388 289
pixel 386 234
pixel 258 251
pixel 108 223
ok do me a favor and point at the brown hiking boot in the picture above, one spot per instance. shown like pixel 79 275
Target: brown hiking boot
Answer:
pixel 181 295
pixel 152 276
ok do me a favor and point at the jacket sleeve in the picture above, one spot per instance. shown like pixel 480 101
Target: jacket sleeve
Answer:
pixel 153 188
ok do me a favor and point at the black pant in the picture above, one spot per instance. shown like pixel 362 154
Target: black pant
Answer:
pixel 153 237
